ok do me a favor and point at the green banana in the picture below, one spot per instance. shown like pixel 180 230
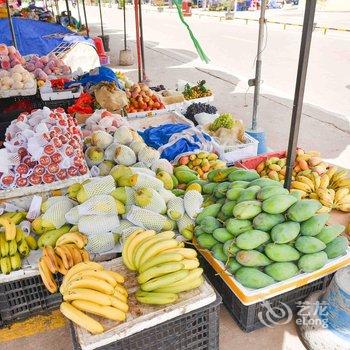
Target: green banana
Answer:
pixel 155 298
pixel 4 246
pixel 12 247
pixel 182 288
pixel 16 262
pixel 23 248
pixel 5 265
pixel 163 281
pixel 159 270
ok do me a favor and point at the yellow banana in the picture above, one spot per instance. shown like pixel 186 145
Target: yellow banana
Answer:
pixel 155 298
pixel 4 246
pixel 5 265
pixel 47 276
pixel 60 267
pixel 307 181
pixel 117 276
pixel 183 287
pixel 340 193
pixel 37 226
pixel 12 247
pixel 18 217
pixel 121 289
pixel 16 262
pixel 19 234
pixel 88 295
pixel 75 253
pixel 313 196
pixel 331 171
pixel 120 296
pixel 117 303
pixel 32 243
pixel 50 258
pixel 345 199
pixel 81 319
pixel 324 209
pixel 343 183
pixel 161 259
pixel 127 242
pixel 72 237
pixel 157 248
pixel 23 248
pixel 344 207
pixel 10 228
pixel 109 312
pixel 91 283
pixel 301 186
pixel 190 264
pixel 159 270
pixel 138 239
pixel 99 274
pixel 324 181
pixel 65 255
pixel 187 253
pixel 165 280
pixel 85 255
pixel 338 176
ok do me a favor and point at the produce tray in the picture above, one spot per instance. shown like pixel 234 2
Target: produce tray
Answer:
pixel 60 95
pixel 206 99
pixel 22 92
pixel 253 162
pixel 249 296
pixel 27 191
pixel 252 317
pixel 164 118
pixel 190 323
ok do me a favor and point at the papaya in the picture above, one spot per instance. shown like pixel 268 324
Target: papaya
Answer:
pixel 248 194
pixel 303 209
pixel 211 210
pixel 314 225
pixel 221 189
pixel 265 222
pixel 337 247
pixel 209 224
pixel 269 191
pixel 198 231
pixel 251 239
pixel 199 182
pixel 251 277
pixel 285 232
pixel 281 252
pixel 230 248
pixel 247 210
pixel 281 271
pixel 328 233
pixel 206 241
pixel 233 193
pixel 185 177
pixel 263 182
pixel 278 204
pixel 220 175
pixel 218 252
pixel 252 258
pixel 236 226
pixel 243 175
pixel 209 188
pixel 222 235
pixel 239 184
pixel 309 244
pixel 184 168
pixel 232 265
pixel 49 238
pixel 312 262
pixel 227 209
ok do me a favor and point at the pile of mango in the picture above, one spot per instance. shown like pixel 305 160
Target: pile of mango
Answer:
pixel 261 232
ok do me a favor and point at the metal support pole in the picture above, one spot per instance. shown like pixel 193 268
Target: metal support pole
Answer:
pixel 138 44
pixel 101 20
pixel 257 79
pixel 79 16
pixel 11 25
pixel 124 17
pixel 144 77
pixel 85 18
pixel 300 87
pixel 68 12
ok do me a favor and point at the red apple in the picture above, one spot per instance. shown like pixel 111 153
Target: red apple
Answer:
pixel 48 178
pixel 62 174
pixel 35 179
pixel 44 160
pixel 39 170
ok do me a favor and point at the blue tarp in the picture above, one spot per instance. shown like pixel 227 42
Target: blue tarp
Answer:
pixel 30 35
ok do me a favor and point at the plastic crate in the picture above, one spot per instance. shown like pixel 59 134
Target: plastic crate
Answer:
pixel 52 104
pixel 25 297
pixel 253 162
pixel 198 329
pixel 250 317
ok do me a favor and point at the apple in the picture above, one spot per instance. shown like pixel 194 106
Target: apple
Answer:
pixel 44 160
pixel 35 179
pixel 62 174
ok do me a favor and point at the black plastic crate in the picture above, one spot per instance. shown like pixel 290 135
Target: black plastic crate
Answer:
pixel 52 104
pixel 251 317
pixel 198 329
pixel 26 297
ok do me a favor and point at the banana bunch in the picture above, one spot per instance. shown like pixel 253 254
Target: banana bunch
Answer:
pixel 61 259
pixel 9 221
pixel 12 252
pixel 88 287
pixel 165 267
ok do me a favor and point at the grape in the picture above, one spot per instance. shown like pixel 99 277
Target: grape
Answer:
pixel 225 120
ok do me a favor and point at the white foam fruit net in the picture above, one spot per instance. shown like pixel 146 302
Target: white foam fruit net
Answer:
pixel 98 224
pixel 100 243
pixel 56 213
pixel 101 204
pixel 72 216
pixel 103 185
pixel 146 218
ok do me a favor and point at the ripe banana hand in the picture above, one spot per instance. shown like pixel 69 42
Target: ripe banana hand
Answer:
pixel 157 248
pixel 160 259
pixel 127 242
pixel 50 258
pixel 72 237
pixel 159 270
pixel 16 262
pixel 47 276
pixel 5 265
pixel 10 228
pixel 65 255
pixel 4 246
pixel 301 186
pixel 91 283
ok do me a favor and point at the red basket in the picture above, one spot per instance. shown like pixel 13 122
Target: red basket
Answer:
pixel 253 162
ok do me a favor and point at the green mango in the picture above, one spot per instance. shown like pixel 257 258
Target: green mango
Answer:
pixel 248 194
pixel 314 225
pixel 209 224
pixel 222 235
pixel 309 245
pixel 221 217
pixel 236 226
pixel 303 209
pixel 281 252
pixel 220 175
pixel 221 190
pixel 337 247
pixel 178 192
pixel 206 241
pixel 251 277
pixel 221 201
pixel 198 231
pixel 263 182
pixel 247 210
pixel 251 239
pixel 49 238
pixel 328 233
pixel 233 193
pixel 269 191
pixel 209 188
pixel 208 200
pixel 227 209
pixel 232 265
pixel 265 221
pixel 230 248
pixel 252 258
pixel 281 271
pixel 199 182
pixel 185 177
pixel 243 175
pixel 239 184
pixel 278 204
pixel 312 262
pixel 285 232
pixel 211 210
pixel 218 252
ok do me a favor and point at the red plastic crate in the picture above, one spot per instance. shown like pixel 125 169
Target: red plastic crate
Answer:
pixel 253 162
